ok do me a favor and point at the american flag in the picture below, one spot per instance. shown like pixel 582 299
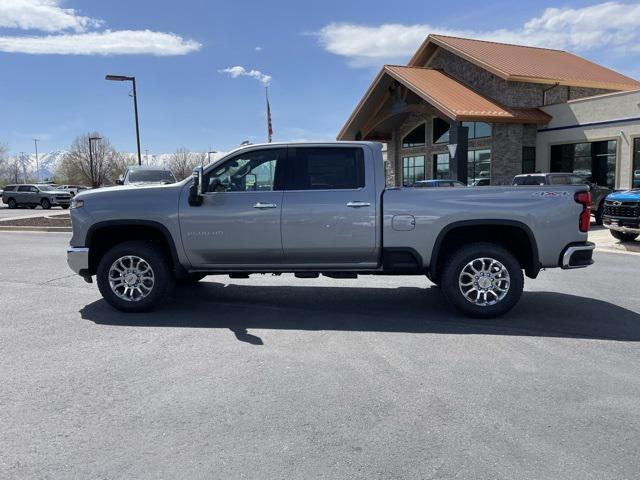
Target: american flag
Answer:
pixel 269 124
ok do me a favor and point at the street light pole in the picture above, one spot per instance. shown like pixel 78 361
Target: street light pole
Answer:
pixel 93 180
pixel 209 156
pixel 35 141
pixel 123 78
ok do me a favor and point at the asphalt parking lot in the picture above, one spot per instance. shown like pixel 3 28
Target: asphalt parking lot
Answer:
pixel 7 213
pixel 276 377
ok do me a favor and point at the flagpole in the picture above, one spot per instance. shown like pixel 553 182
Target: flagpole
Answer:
pixel 269 126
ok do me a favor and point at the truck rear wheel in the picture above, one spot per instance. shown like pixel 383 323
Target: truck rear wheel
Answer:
pixel 133 276
pixel 624 237
pixel 482 280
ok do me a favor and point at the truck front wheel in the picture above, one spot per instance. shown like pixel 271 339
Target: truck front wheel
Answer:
pixel 482 280
pixel 133 276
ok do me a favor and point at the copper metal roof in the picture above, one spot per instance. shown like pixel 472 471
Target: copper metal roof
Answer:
pixel 454 99
pixel 526 64
pixel 457 100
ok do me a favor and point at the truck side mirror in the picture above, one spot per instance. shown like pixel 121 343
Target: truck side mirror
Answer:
pixel 196 190
pixel 119 181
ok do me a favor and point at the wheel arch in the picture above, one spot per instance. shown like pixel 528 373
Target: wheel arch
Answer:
pixel 120 231
pixel 523 243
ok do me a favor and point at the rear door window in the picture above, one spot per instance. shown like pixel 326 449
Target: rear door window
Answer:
pixel 325 168
pixel 24 188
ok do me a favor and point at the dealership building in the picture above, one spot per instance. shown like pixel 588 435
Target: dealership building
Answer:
pixel 483 112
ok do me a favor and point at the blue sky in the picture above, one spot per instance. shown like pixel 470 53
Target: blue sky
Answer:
pixel 321 56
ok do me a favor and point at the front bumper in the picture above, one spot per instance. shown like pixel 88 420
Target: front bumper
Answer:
pixel 622 228
pixel 577 255
pixel 78 260
pixel 622 224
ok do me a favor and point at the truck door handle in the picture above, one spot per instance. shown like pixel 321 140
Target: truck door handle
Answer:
pixel 358 204
pixel 264 205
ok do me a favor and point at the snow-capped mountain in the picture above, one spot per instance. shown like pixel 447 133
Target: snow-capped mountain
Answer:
pixel 46 164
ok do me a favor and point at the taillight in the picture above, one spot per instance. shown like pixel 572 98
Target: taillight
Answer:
pixel 584 199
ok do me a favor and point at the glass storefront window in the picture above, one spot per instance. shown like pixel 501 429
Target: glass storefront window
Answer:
pixel 440 130
pixel 636 163
pixel 528 159
pixel 441 167
pixel 412 170
pixel 416 138
pixel 479 167
pixel 477 129
pixel 594 161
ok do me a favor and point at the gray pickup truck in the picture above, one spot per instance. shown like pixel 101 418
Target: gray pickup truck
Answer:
pixel 32 195
pixel 323 209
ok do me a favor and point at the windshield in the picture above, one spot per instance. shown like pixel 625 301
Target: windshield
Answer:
pixel 45 188
pixel 136 176
pixel 529 180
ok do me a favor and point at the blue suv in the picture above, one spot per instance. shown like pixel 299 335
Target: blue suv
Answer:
pixel 621 214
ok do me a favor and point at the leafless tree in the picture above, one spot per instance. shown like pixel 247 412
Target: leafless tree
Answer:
pixel 182 162
pixel 4 162
pixel 11 167
pixel 78 166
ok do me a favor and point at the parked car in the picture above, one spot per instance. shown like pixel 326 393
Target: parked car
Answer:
pixel 146 174
pixel 438 183
pixel 32 195
pixel 323 209
pixel 72 189
pixel 622 215
pixel 481 182
pixel 598 192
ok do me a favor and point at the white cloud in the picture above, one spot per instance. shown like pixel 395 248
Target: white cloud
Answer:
pixel 239 71
pixel 123 42
pixel 258 48
pixel 605 25
pixel 45 15
pixel 79 35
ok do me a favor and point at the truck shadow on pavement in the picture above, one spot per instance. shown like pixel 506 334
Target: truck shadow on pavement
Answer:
pixel 240 307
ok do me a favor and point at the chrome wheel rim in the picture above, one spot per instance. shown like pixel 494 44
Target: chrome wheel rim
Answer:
pixel 484 281
pixel 131 278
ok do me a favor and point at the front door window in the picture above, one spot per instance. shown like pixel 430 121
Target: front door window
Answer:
pixel 252 171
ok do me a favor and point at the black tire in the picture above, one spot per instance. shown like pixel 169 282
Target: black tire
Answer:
pixel 156 260
pixel 461 259
pixel 12 203
pixel 45 204
pixel 624 237
pixel 32 206
pixel 191 278
pixel 64 207
pixel 598 213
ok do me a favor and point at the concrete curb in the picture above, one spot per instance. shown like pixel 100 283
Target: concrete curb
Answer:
pixel 16 228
